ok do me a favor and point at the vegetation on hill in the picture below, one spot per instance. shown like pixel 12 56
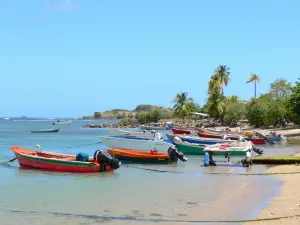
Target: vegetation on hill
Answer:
pixel 280 105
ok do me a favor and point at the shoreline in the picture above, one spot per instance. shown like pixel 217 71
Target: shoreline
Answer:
pixel 287 203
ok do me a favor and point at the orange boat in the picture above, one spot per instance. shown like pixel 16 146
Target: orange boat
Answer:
pixel 148 157
pixel 80 163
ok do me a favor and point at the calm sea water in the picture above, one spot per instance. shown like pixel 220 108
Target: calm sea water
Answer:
pixel 129 195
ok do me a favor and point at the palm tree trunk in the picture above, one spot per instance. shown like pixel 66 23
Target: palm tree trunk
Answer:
pixel 222 91
pixel 254 89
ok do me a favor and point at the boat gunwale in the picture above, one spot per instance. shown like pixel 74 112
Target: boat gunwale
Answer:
pixel 136 153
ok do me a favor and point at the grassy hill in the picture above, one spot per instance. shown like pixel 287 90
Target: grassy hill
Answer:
pixel 116 113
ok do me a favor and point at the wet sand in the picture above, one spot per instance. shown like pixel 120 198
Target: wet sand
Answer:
pixel 288 203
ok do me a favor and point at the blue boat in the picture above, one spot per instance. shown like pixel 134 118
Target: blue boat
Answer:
pixel 197 140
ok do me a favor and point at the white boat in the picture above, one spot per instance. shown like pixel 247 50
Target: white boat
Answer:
pixel 230 147
pixel 130 133
pixel 159 127
pixel 136 144
pixel 6 118
pixel 58 122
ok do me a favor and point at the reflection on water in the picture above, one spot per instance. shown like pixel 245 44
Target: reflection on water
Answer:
pixel 188 192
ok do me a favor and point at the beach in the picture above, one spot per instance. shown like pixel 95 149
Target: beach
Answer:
pixel 189 192
pixel 287 204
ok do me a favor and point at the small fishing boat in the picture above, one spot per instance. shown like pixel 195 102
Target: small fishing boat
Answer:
pixel 197 140
pixel 137 144
pixel 145 134
pixel 147 157
pixel 235 148
pixel 190 149
pixel 254 140
pixel 45 131
pixel 180 131
pixel 80 163
pixel 58 122
pixel 158 127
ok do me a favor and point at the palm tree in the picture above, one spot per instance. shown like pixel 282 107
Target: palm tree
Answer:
pixel 253 78
pixel 223 73
pixel 215 83
pixel 215 104
pixel 183 105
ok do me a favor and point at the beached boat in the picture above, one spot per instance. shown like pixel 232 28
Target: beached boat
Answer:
pixel 235 148
pixel 190 149
pixel 254 140
pixel 180 131
pixel 45 131
pixel 147 135
pixel 58 122
pixel 136 144
pixel 80 163
pixel 197 140
pixel 147 157
pixel 159 127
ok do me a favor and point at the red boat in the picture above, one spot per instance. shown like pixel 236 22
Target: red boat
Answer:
pixel 254 140
pixel 80 163
pixel 180 131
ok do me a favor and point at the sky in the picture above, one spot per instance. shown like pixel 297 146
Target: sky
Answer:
pixel 75 57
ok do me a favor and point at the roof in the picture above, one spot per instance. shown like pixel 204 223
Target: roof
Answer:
pixel 200 114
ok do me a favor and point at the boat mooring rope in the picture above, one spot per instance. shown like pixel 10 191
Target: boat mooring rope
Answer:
pixel 78 146
pixel 157 220
pixel 212 173
pixel 7 163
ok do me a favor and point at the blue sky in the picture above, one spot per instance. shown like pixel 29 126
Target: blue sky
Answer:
pixel 74 57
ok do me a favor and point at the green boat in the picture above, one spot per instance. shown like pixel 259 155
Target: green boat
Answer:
pixel 198 149
pixel 191 149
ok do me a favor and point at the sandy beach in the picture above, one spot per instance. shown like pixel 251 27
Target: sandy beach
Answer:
pixel 286 205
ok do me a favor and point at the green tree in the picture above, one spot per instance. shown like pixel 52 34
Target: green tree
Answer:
pixel 223 72
pixel 235 110
pixel 183 105
pixel 214 84
pixel 215 104
pixel 266 111
pixel 280 89
pixel 97 115
pixel 294 102
pixel 114 112
pixel 254 78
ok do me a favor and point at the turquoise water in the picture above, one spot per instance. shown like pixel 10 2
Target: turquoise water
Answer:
pixel 129 195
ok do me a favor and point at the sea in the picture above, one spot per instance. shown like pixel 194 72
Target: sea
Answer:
pixel 178 193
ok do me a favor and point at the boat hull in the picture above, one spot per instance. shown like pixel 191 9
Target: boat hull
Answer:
pixel 256 141
pixel 28 159
pixel 152 128
pixel 139 156
pixel 189 149
pixel 135 144
pixel 197 140
pixel 180 131
pixel 45 131
pixel 128 133
pixel 62 123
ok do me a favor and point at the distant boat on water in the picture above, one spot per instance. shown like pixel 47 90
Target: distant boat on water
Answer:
pixel 45 131
pixel 58 122
pixel 6 118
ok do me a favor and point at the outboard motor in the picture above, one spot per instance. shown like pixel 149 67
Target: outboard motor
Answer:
pixel 177 139
pixel 104 158
pixel 174 154
pixel 281 137
pixel 241 139
pixel 225 137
